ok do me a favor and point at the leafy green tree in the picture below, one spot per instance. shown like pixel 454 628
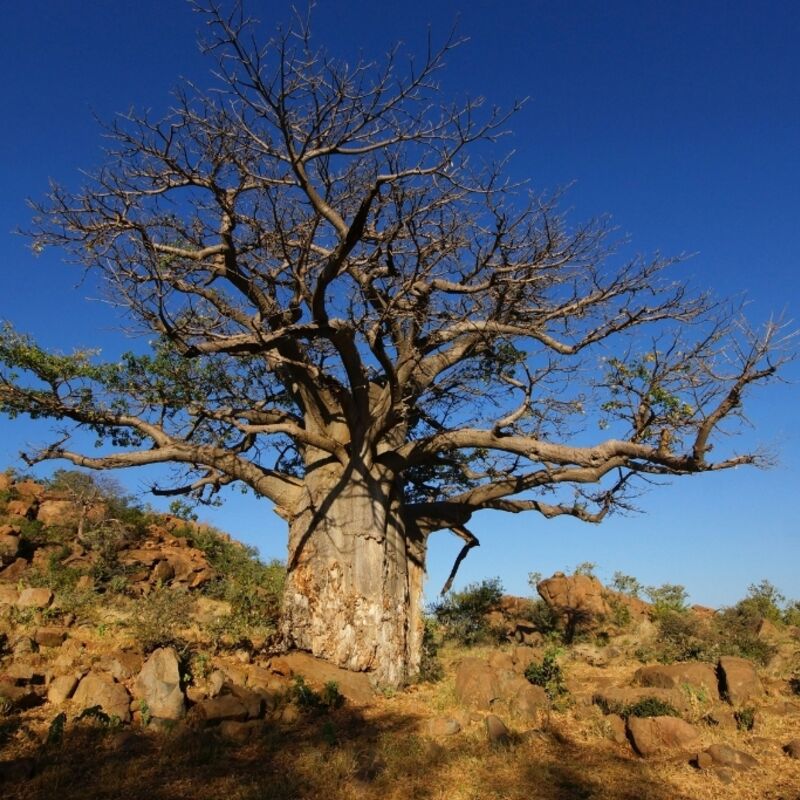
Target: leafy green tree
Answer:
pixel 358 316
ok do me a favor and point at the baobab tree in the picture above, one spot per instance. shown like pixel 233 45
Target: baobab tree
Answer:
pixel 360 318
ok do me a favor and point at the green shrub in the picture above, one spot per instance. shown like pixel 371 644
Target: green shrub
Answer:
pixel 645 707
pixel 327 699
pixel 462 614
pixel 253 588
pixel 430 667
pixel 548 674
pixel 745 718
pixel 158 618
pixel 650 707
pixel 667 597
pixel 542 617
pixel 763 601
pixel 627 584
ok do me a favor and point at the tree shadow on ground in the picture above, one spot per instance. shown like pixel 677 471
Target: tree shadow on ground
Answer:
pixel 344 755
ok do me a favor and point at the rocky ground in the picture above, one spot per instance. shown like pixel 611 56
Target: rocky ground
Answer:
pixel 120 677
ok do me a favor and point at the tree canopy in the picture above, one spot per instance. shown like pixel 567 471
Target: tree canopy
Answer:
pixel 337 273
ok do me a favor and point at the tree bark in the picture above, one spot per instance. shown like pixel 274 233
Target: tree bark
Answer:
pixel 353 593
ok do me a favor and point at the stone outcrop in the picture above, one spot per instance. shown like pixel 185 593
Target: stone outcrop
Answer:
pixel 652 736
pixel 739 681
pixel 158 685
pixel 696 675
pixel 100 690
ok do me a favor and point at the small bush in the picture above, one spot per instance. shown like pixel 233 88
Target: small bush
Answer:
pixel 548 674
pixel 542 617
pixel 650 707
pixel 627 584
pixel 253 589
pixel 158 618
pixel 645 707
pixel 430 667
pixel 327 699
pixel 462 614
pixel 669 597
pixel 745 718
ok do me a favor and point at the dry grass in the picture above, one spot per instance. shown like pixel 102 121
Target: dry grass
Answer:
pixel 378 753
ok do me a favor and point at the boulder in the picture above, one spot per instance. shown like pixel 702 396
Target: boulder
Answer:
pixel 9 546
pixel 578 600
pixel 122 665
pixel 8 595
pixel 793 749
pixel 695 674
pixel 654 735
pixel 29 490
pixel 354 686
pixel 61 688
pixel 162 572
pixel 238 732
pixel 35 597
pixel 50 637
pixel 496 730
pixel 15 570
pixel 527 703
pixel 616 729
pixel 6 482
pixel 476 684
pixel 739 681
pixel 615 699
pixel 21 508
pixel 441 726
pixel 218 709
pixel 159 685
pixel 112 698
pixel 723 755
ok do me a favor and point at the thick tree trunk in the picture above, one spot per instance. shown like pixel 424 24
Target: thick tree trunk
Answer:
pixel 355 572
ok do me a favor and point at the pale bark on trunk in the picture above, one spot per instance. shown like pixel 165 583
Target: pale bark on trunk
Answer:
pixel 353 593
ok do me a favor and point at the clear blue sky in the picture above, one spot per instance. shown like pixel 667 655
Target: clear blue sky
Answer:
pixel 680 119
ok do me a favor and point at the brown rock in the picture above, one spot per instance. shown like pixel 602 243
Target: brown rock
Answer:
pixel 35 597
pixel 441 726
pixel 653 735
pixel 616 728
pixel 695 674
pixel 739 681
pixel 726 756
pixel 527 703
pixel 793 749
pixel 122 665
pixel 578 600
pixel 21 508
pixel 615 699
pixel 61 688
pixel 112 698
pixel 5 482
pixel 354 686
pixel 8 595
pixel 30 490
pixel 163 571
pixel 15 570
pixel 501 661
pixel 239 732
pixel 50 637
pixel 496 730
pixel 252 701
pixel 219 709
pixel 9 547
pixel 476 684
pixel 54 513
